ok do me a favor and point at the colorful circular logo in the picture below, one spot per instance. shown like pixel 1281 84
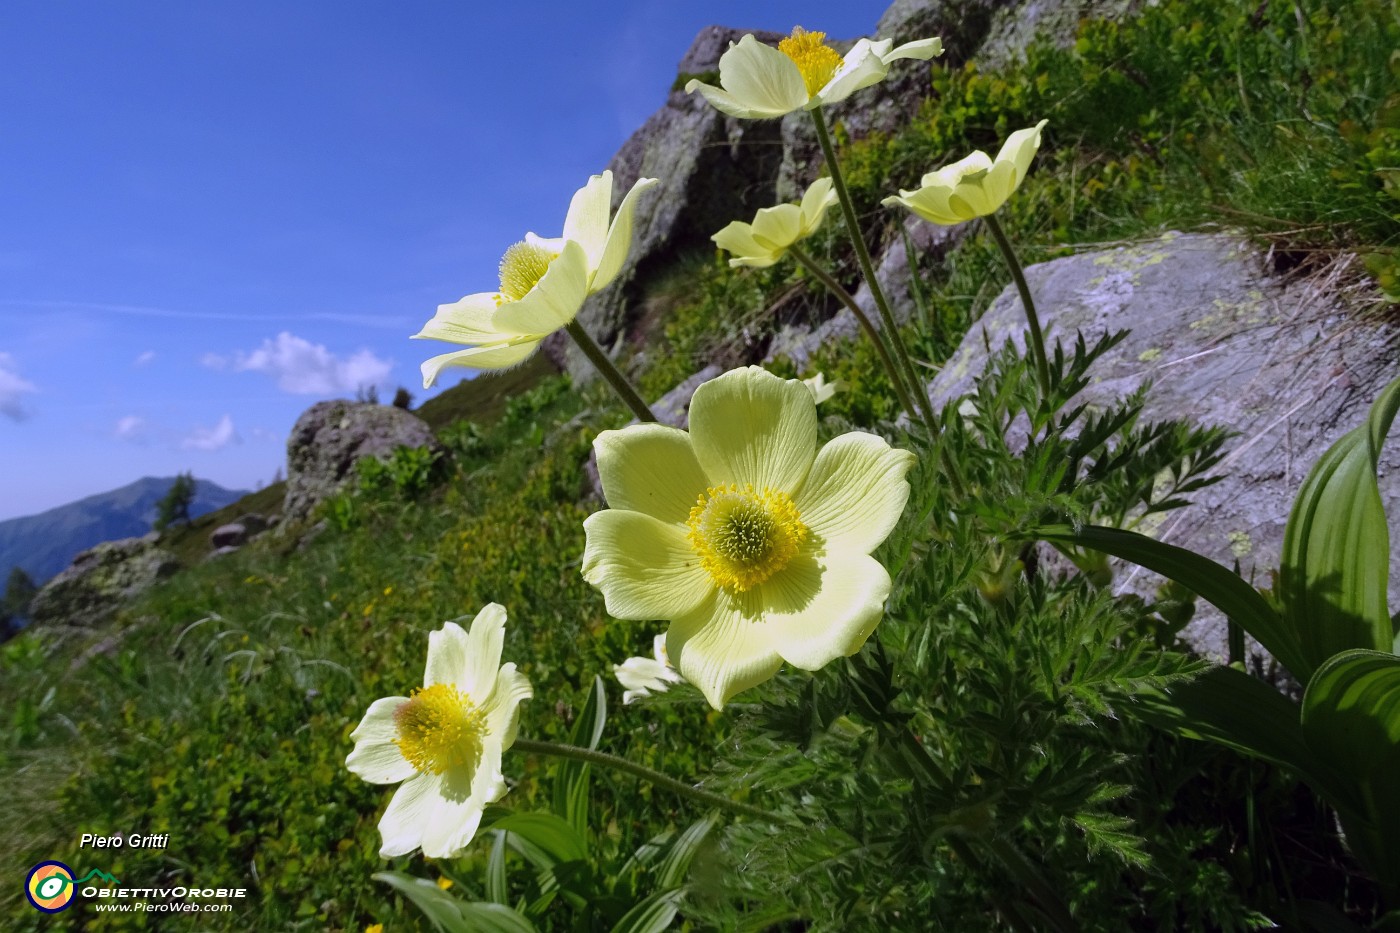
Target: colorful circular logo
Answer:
pixel 49 887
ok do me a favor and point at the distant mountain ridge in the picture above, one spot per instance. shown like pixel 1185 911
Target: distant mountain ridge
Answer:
pixel 45 543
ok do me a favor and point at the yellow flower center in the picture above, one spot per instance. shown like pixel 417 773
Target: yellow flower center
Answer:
pixel 816 60
pixel 439 728
pixel 522 267
pixel 743 536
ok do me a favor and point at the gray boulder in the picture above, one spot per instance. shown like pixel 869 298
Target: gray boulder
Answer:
pixel 99 580
pixel 253 523
pixel 1223 341
pixel 230 535
pixel 330 438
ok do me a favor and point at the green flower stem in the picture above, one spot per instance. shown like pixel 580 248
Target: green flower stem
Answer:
pixel 1025 872
pixel 867 269
pixel 600 362
pixel 950 466
pixel 655 778
pixel 1037 341
pixel 845 297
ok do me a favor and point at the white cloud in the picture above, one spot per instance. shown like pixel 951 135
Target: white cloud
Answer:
pixel 305 368
pixel 144 358
pixel 215 438
pixel 131 428
pixel 12 387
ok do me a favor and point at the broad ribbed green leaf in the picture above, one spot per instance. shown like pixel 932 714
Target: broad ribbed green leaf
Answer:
pixel 451 915
pixel 571 778
pixel 496 888
pixel 1336 547
pixel 675 867
pixel 652 914
pixel 1231 708
pixel 1351 718
pixel 1215 584
pixel 543 838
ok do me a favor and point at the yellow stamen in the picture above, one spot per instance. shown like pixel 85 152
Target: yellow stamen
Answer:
pixel 439 728
pixel 522 267
pixel 742 536
pixel 816 60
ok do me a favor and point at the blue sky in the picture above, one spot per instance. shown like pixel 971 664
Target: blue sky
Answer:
pixel 213 215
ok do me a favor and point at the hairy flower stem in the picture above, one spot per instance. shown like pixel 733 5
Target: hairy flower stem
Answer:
pixel 600 362
pixel 1037 341
pixel 1011 858
pixel 867 269
pixel 950 466
pixel 845 297
pixel 655 778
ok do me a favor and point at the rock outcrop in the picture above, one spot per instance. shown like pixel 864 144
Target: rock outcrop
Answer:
pixel 99 580
pixel 330 438
pixel 1222 341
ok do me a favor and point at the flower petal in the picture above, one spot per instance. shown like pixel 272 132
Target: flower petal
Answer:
pixel 856 491
pixel 737 238
pixel 458 805
pixel 465 321
pixel 816 200
pixel 922 49
pixel 929 203
pixel 619 239
pixel 502 708
pixel 723 647
pixel 650 468
pixel 861 68
pixel 778 227
pixel 1020 147
pixel 468 660
pixel 749 426
pixel 408 815
pixel 645 567
pixel 493 356
pixel 820 609
pixel 553 301
pixel 375 757
pixel 758 81
pixel 587 221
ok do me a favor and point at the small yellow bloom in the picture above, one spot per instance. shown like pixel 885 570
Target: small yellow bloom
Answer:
pixel 375 928
pixel 444 883
pixel 774 229
pixel 543 284
pixel 975 186
pixel 445 741
pixel 751 541
pixel 758 81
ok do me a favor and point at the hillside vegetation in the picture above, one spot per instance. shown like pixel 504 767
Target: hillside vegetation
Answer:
pixel 218 707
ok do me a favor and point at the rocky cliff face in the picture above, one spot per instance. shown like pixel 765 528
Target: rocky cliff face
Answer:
pixel 1287 365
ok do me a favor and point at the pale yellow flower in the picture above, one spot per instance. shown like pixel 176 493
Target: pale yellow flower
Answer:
pixel 821 389
pixel 751 541
pixel 774 229
pixel 975 186
pixel 641 677
pixel 445 741
pixel 544 282
pixel 758 81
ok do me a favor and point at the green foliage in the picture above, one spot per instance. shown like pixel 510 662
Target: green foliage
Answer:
pixel 1331 629
pixel 175 506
